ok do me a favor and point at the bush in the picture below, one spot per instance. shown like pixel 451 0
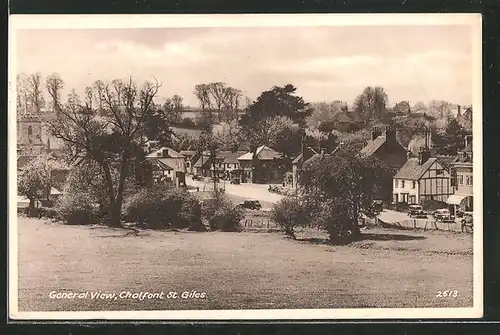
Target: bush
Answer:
pixel 226 218
pixel 163 207
pixel 47 212
pixel 187 123
pixel 289 213
pixel 76 209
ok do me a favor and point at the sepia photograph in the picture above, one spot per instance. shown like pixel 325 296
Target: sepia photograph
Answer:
pixel 219 167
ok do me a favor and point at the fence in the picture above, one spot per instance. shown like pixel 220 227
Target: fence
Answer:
pixel 424 224
pixel 258 224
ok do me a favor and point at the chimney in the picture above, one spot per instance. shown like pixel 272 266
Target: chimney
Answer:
pixel 423 155
pixel 390 134
pixel 376 133
pixel 458 113
pixel 323 152
pixel 164 153
pixel 305 151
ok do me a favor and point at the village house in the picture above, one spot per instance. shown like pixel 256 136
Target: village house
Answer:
pixel 264 166
pixel 230 163
pixel 168 166
pixel 203 164
pixel 191 158
pixel 292 180
pixel 346 121
pixel 462 175
pixel 422 178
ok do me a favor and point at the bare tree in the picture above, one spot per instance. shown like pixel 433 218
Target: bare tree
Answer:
pixel 111 138
pixel 54 85
pixel 35 94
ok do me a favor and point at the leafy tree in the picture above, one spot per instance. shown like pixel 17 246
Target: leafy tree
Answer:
pixel 402 107
pixel 343 186
pixel 439 109
pixel 109 138
pixel 218 101
pixel 322 113
pixel 419 107
pixel 451 140
pixel 371 103
pixel 34 179
pixel 290 213
pixel 279 101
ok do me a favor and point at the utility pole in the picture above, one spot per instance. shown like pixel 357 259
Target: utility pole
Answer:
pixel 216 175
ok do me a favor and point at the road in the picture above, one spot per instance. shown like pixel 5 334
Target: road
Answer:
pixel 247 191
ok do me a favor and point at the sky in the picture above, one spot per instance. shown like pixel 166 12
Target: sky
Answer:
pixel 414 63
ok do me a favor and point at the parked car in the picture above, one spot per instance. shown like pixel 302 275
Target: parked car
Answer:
pixel 421 214
pixel 235 181
pixel 443 215
pixel 378 204
pixel 414 209
pixel 467 222
pixel 250 204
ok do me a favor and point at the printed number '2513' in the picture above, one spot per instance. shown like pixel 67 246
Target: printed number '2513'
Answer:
pixel 446 294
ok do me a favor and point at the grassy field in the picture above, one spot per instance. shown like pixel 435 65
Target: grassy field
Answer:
pixel 246 270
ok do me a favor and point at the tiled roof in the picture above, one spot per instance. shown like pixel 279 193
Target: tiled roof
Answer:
pixel 159 153
pixel 412 170
pixel 373 146
pixel 230 157
pixel 263 153
pixel 205 159
pixel 446 161
pixel 187 153
pixel 164 164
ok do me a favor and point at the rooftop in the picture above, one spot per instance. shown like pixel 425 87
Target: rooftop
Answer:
pixel 412 170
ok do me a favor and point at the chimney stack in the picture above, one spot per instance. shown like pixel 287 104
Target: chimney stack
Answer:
pixel 390 134
pixel 458 113
pixel 323 151
pixel 423 155
pixel 376 133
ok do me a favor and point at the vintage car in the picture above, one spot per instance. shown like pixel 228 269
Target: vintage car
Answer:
pixel 414 209
pixel 378 204
pixel 235 181
pixel 443 215
pixel 250 204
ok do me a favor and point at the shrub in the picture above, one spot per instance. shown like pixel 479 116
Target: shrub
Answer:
pixel 163 207
pixel 76 209
pixel 187 123
pixel 226 218
pixel 289 213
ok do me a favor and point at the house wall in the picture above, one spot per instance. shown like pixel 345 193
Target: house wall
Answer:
pixel 464 179
pixel 435 184
pixel 408 193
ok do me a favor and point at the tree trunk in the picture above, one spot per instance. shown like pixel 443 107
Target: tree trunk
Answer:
pixel 31 207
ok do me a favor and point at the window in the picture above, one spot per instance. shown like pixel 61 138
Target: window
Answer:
pixel 30 131
pixel 402 183
pixel 395 198
pixel 413 184
pixel 468 180
pixel 439 172
pixel 439 182
pixel 460 180
pixel 395 183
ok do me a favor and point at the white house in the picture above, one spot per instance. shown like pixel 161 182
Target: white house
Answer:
pixel 422 178
pixel 168 166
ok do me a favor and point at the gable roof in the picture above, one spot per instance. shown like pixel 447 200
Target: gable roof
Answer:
pixel 187 153
pixel 205 159
pixel 299 158
pixel 230 157
pixel 160 153
pixel 262 153
pixel 373 145
pixel 412 170
pixel 446 161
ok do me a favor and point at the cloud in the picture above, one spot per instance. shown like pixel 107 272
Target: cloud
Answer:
pixel 324 63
